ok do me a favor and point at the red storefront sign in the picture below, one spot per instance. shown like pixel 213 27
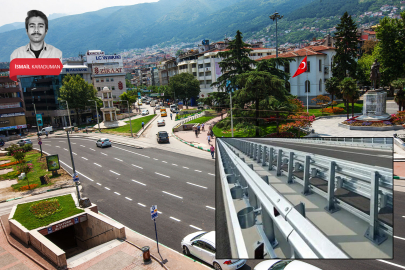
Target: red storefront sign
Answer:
pixel 35 66
pixel 64 224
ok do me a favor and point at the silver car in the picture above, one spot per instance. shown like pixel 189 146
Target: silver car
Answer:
pixel 24 141
pixel 103 142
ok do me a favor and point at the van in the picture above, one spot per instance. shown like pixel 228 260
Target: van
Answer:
pixel 152 103
pixel 43 131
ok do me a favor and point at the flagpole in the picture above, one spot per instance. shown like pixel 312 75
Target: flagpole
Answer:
pixel 306 81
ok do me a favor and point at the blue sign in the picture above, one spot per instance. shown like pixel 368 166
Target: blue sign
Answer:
pixel 180 102
pixel 153 212
pixel 39 120
pixel 75 177
pixel 76 220
pixel 49 230
pixel 139 94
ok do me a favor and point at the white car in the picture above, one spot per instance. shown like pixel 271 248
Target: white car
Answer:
pixel 202 245
pixel 103 142
pixel 161 122
pixel 145 112
pixel 157 107
pixel 285 265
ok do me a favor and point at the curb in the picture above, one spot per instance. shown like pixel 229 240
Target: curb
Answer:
pixel 146 127
pixel 183 141
pixel 399 177
pixel 334 116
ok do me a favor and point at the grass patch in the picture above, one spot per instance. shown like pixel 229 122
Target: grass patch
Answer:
pixel 30 221
pixel 136 125
pixel 39 169
pixel 358 108
pixel 201 119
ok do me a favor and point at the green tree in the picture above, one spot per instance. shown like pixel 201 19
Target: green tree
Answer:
pixel 346 48
pixel 270 65
pixel 278 107
pixel 235 61
pixel 400 96
pixel 364 67
pixel 130 98
pixel 128 84
pixel 349 92
pixel 76 91
pixel 391 48
pixel 258 86
pixel 332 87
pixel 184 86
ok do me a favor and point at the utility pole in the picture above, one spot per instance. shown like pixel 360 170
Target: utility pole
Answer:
pixel 276 16
pixel 70 121
pixel 73 165
pixel 98 123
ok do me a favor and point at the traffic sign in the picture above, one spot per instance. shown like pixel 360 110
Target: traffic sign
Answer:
pixel 153 212
pixel 39 142
pixel 39 139
pixel 75 177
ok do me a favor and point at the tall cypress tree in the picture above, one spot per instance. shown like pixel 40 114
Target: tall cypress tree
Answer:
pixel 344 63
pixel 235 61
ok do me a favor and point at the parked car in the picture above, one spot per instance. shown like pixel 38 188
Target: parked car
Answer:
pixel 162 136
pixel 24 141
pixel 145 112
pixel 157 107
pixel 161 122
pixel 147 102
pixel 202 245
pixel 103 142
pixel 284 265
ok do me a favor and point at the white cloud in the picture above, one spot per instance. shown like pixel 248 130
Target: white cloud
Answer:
pixel 16 10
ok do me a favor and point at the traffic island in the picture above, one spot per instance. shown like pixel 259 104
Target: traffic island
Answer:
pixel 58 229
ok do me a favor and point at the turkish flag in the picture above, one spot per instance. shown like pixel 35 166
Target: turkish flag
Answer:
pixel 302 68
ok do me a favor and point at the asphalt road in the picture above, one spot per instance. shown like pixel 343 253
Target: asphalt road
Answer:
pixel 125 182
pixel 375 157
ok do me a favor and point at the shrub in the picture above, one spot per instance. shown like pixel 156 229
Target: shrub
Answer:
pixel 281 135
pixel 334 110
pixel 18 154
pixel 45 208
pixel 27 147
pixel 23 188
pixel 11 149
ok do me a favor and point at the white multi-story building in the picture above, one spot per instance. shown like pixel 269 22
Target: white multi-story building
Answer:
pixel 312 82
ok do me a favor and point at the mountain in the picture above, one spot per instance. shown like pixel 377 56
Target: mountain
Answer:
pixel 11 26
pixel 115 29
pixel 56 15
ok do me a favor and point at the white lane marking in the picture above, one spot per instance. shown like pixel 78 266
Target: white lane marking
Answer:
pixel 155 158
pixel 65 149
pixel 117 193
pixel 115 172
pixel 210 207
pixel 57 146
pixel 99 184
pixel 104 154
pixel 107 188
pixel 138 182
pixel 131 152
pixel 73 143
pixel 196 185
pixel 82 146
pixel 164 161
pixel 178 220
pixel 92 149
pixel 61 141
pixel 74 153
pixel 174 164
pixel 128 198
pixel 97 164
pixel 142 205
pixel 394 264
pixel 160 212
pixel 137 166
pixel 71 168
pixel 172 195
pixel 185 167
pixel 47 144
pixel 195 227
pixel 399 237
pixel 118 159
pixel 211 174
pixel 197 171
pixel 162 175
pixel 84 158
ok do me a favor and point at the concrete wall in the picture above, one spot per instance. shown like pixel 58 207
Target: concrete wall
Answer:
pixel 49 249
pixel 97 230
pixel 19 230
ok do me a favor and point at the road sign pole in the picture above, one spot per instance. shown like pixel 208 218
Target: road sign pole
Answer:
pixel 40 147
pixel 73 166
pixel 157 240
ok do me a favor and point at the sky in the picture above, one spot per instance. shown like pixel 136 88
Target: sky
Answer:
pixel 16 10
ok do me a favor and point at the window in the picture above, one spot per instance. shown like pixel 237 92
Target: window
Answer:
pixel 112 79
pixel 209 248
pixel 114 96
pixel 307 87
pixel 308 66
pixel 194 73
pixel 102 80
pixel 98 89
pixel 107 80
pixel 97 80
pixel 320 65
pixel 268 53
pixel 259 54
pixel 193 65
pixel 320 85
pixel 287 68
pixel 112 87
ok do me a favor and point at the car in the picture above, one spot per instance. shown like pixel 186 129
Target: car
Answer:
pixel 157 107
pixel 162 136
pixel 147 102
pixel 103 142
pixel 161 122
pixel 201 244
pixel 145 112
pixel 284 265
pixel 24 141
pixel 163 113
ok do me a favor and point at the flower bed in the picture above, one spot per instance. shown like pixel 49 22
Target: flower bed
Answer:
pixel 9 164
pixel 354 122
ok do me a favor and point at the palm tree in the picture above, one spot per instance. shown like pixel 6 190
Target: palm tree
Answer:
pixel 277 107
pixel 349 92
pixel 332 87
pixel 400 96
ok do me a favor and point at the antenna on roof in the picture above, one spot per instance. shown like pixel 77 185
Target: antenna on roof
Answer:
pixel 81 55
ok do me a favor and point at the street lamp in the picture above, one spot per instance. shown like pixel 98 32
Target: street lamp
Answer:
pixel 276 16
pixel 35 110
pixel 130 123
pixel 70 121
pixel 73 164
pixel 95 102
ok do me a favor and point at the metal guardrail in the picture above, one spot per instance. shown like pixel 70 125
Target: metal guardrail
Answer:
pixel 381 143
pixel 305 239
pixel 188 119
pixel 370 182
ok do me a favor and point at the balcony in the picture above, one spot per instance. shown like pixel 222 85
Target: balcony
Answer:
pixel 208 77
pixel 201 69
pixel 11 100
pixel 9 89
pixel 108 109
pixel 193 69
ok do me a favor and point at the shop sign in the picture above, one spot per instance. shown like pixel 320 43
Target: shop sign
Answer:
pixel 8 128
pixel 104 59
pixel 95 53
pixel 71 70
pixel 9 105
pixel 21 126
pixel 4 122
pixel 105 70
pixel 11 114
pixel 64 224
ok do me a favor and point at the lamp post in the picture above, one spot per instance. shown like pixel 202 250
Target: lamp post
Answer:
pixel 130 123
pixel 276 16
pixel 35 110
pixel 73 164
pixel 98 123
pixel 70 121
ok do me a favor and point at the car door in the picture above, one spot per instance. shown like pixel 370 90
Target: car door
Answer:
pixel 196 248
pixel 208 253
pixel 98 142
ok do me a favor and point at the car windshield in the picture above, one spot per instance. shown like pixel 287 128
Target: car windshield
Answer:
pixel 280 265
pixel 162 134
pixel 198 236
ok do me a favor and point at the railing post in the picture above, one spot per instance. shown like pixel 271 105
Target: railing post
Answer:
pixel 252 149
pixel 373 232
pixel 290 168
pixel 307 162
pixel 331 207
pixel 279 156
pixel 259 153
pixel 268 228
pixel 264 155
pixel 271 157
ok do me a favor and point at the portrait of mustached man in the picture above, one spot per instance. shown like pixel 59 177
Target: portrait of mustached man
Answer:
pixel 36 25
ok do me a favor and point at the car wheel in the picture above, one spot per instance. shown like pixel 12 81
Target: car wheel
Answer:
pixel 217 266
pixel 186 251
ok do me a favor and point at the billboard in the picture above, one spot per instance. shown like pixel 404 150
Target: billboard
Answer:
pixel 98 70
pixel 94 59
pixel 53 162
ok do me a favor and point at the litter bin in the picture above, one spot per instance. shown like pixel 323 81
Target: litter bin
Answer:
pixel 146 254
